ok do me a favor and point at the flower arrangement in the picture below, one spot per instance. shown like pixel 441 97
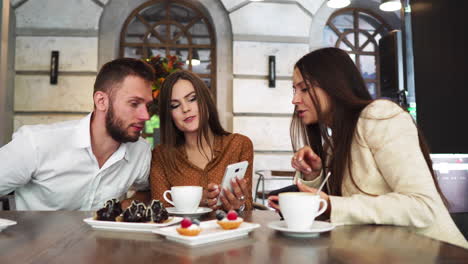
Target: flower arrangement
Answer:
pixel 163 66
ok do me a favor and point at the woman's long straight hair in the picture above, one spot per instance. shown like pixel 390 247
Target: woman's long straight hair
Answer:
pixel 333 70
pixel 171 136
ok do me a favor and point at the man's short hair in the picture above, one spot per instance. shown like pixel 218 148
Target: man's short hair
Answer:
pixel 114 72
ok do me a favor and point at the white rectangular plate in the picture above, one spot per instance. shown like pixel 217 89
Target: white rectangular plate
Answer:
pixel 131 227
pixel 211 233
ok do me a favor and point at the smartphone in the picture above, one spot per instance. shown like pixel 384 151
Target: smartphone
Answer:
pixel 232 171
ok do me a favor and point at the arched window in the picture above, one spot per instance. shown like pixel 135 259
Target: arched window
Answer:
pixel 358 31
pixel 171 27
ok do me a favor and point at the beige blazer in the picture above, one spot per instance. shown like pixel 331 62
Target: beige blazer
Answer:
pixel 387 161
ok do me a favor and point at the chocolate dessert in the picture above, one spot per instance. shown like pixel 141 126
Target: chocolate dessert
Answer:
pixel 110 211
pixel 135 213
pixel 156 212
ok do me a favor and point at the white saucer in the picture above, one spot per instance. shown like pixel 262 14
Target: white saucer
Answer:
pixel 316 228
pixel 200 211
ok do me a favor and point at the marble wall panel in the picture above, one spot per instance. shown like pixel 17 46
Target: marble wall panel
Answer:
pixel 271 19
pixel 229 4
pixel 71 94
pixel 75 53
pixel 266 133
pixel 251 58
pixel 254 96
pixel 58 14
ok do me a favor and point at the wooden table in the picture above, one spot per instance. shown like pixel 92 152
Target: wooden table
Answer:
pixel 63 237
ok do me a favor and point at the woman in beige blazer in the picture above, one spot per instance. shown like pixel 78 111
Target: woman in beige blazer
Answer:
pixel 381 172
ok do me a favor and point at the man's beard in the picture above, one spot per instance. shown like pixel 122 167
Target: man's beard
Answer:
pixel 116 129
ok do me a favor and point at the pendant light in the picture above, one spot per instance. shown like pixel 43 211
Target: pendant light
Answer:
pixel 338 3
pixel 390 5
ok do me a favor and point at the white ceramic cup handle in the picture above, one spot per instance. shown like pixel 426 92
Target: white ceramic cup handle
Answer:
pixel 167 199
pixel 325 205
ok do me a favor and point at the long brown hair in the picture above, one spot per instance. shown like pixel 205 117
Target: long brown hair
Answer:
pixel 333 70
pixel 171 136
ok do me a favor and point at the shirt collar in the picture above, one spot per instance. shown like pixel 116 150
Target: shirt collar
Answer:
pixel 82 138
pixel 82 135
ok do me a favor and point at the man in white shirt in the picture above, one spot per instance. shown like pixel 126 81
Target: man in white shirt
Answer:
pixel 78 165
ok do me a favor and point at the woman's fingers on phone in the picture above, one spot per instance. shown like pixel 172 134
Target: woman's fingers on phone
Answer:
pixel 243 185
pixel 213 191
pixel 225 203
pixel 233 201
pixel 236 188
pixel 212 202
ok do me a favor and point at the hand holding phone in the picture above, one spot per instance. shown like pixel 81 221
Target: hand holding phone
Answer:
pixel 236 170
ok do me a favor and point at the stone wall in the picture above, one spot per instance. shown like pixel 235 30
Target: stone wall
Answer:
pixel 70 27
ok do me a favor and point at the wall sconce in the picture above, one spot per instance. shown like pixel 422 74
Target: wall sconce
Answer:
pixel 338 3
pixel 271 71
pixel 54 62
pixel 390 5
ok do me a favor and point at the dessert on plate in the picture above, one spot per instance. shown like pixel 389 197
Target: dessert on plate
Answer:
pixel 137 212
pixel 156 213
pixel 228 221
pixel 189 227
pixel 109 212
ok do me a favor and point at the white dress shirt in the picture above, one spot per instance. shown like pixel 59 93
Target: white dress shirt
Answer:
pixel 52 167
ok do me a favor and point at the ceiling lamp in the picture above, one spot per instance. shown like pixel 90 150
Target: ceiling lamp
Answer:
pixel 338 3
pixel 390 5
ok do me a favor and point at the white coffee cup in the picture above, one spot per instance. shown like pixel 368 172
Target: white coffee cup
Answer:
pixel 300 209
pixel 185 198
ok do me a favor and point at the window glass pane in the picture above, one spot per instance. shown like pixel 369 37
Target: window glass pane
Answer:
pixel 329 37
pixel 368 67
pixel 353 57
pixel 370 47
pixel 350 38
pixel 154 13
pixel 179 35
pixel 181 13
pixel 344 46
pixel 367 22
pixel 155 52
pixel 378 37
pixel 133 52
pixel 161 30
pixel 343 21
pixel 363 38
pixel 135 31
pixel 372 89
pixel 200 34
